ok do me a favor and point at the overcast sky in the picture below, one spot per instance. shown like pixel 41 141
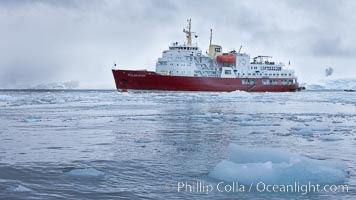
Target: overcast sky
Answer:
pixel 78 40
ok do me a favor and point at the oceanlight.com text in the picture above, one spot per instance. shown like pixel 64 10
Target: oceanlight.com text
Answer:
pixel 235 187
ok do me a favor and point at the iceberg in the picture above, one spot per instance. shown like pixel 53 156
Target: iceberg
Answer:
pixel 57 85
pixel 333 84
pixel 276 166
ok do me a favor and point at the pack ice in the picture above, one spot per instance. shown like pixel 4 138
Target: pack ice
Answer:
pixel 276 166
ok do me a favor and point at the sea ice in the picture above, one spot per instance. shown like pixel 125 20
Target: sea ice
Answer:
pixel 276 166
pixel 215 121
pixel 302 131
pixel 18 188
pixel 321 129
pixel 330 137
pixel 4 96
pixel 237 93
pixel 86 173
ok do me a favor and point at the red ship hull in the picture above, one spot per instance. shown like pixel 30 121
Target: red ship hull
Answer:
pixel 147 80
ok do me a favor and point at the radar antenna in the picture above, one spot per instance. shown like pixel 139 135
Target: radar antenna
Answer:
pixel 189 32
pixel 240 48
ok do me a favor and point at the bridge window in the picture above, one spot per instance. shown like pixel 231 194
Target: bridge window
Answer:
pixel 227 71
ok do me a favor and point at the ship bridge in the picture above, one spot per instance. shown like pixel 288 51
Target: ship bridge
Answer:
pixel 178 46
pixel 181 58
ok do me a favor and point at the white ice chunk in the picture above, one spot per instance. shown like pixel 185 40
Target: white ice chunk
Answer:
pixel 275 166
pixel 331 137
pixel 302 131
pixel 86 173
pixel 321 129
pixel 5 97
pixel 237 93
pixel 18 188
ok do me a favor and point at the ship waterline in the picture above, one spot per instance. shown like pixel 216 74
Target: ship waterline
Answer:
pixel 126 80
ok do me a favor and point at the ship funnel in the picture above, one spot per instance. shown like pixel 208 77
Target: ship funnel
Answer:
pixel 214 50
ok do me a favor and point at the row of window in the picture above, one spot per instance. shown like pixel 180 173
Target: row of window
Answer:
pixel 287 82
pixel 181 64
pixel 271 68
pixel 275 82
pixel 172 72
pixel 270 82
pixel 266 82
pixel 184 48
pixel 248 82
pixel 227 71
pixel 180 58
pixel 256 74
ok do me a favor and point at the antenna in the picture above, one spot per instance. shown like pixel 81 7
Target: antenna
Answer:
pixel 211 35
pixel 189 32
pixel 240 48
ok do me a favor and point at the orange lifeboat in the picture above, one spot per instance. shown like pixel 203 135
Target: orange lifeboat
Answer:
pixel 229 58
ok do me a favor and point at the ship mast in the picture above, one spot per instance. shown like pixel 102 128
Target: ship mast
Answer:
pixel 211 35
pixel 189 32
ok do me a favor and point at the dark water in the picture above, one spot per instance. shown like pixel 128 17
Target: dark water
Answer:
pixel 109 145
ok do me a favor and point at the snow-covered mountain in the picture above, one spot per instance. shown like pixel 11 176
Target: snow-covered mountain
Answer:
pixel 58 85
pixel 333 84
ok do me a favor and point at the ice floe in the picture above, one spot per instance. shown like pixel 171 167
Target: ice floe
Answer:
pixel 86 173
pixel 276 166
pixel 333 84
pixel 301 131
pixel 321 129
pixel 330 137
pixel 4 97
pixel 236 93
pixel 18 188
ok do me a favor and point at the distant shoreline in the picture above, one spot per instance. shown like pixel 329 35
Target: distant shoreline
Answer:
pixel 56 90
pixel 83 90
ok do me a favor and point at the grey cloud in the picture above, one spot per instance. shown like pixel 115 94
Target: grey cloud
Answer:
pixel 331 47
pixel 54 41
pixel 72 4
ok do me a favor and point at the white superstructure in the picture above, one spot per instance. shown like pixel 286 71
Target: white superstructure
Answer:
pixel 187 59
